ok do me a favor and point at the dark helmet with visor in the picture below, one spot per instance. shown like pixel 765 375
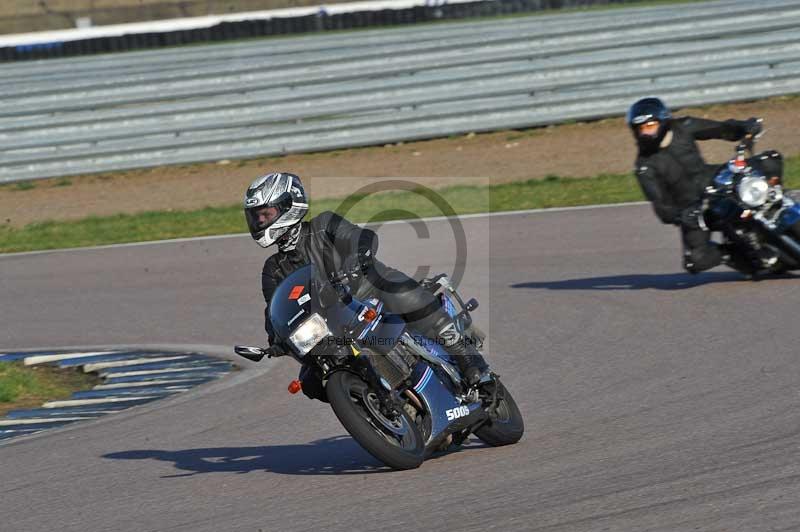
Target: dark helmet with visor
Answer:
pixel 649 120
pixel 274 204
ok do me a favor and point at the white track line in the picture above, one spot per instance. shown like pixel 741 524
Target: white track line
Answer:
pixel 37 421
pixel 392 222
pixel 97 401
pixel 110 375
pixel 41 359
pixel 161 390
pixel 129 362
pixel 142 384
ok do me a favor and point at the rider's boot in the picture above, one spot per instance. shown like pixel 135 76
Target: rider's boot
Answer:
pixel 469 360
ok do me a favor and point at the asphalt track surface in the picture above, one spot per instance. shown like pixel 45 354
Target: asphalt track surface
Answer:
pixel 653 400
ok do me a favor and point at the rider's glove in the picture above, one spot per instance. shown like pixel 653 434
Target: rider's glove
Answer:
pixel 359 263
pixel 753 126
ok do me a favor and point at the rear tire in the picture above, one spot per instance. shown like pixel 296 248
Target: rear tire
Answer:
pixel 506 425
pixel 398 443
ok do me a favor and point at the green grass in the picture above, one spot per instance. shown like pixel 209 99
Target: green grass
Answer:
pixel 24 387
pixel 24 185
pixel 552 191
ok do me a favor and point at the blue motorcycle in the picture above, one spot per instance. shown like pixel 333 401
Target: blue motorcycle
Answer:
pixel 398 393
pixel 757 217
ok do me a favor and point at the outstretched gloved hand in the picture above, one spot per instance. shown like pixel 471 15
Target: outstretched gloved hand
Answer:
pixel 358 263
pixel 754 126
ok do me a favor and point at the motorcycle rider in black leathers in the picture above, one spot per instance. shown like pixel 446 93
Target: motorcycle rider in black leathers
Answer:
pixel 275 206
pixel 673 174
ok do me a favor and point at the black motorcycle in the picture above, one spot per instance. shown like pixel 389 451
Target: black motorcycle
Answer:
pixel 756 216
pixel 398 393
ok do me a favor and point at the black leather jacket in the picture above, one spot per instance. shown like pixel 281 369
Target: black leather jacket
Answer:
pixel 326 241
pixel 673 178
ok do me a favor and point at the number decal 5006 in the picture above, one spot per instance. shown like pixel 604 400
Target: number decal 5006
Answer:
pixel 455 413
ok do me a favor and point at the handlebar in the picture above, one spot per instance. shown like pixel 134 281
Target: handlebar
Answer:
pixel 337 288
pixel 746 147
pixel 342 276
pixel 747 144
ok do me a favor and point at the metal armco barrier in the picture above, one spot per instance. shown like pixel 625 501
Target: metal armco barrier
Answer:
pixel 260 98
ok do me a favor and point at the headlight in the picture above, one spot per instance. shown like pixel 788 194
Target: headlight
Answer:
pixel 309 334
pixel 753 191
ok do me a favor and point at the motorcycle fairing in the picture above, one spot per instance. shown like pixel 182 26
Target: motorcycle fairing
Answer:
pixel 383 333
pixel 437 393
pixel 289 306
pixel 434 389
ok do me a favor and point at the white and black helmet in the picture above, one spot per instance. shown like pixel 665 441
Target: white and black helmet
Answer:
pixel 273 205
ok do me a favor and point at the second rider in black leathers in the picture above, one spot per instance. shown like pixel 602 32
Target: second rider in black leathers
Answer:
pixel 275 206
pixel 673 175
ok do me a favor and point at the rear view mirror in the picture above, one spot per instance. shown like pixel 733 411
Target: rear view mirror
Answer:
pixel 250 353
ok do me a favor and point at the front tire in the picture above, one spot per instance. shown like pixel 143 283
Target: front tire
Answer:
pixel 397 443
pixel 505 426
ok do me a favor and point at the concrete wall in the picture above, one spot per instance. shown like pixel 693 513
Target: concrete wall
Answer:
pixel 21 16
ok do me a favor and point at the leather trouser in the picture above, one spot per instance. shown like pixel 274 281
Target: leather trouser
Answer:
pixel 421 309
pixel 699 253
pixel 405 297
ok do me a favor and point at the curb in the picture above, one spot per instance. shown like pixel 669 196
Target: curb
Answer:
pixel 130 377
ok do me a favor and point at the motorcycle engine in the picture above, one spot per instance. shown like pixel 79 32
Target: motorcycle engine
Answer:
pixel 395 366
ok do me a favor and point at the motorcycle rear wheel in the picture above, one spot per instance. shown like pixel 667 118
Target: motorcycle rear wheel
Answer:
pixel 506 425
pixel 395 442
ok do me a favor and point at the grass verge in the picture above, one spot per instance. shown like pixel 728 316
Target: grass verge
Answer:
pixel 552 191
pixel 30 386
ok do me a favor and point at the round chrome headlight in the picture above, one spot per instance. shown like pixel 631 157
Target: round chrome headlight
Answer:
pixel 753 191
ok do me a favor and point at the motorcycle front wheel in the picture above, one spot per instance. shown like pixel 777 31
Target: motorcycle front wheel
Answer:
pixel 395 441
pixel 505 425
